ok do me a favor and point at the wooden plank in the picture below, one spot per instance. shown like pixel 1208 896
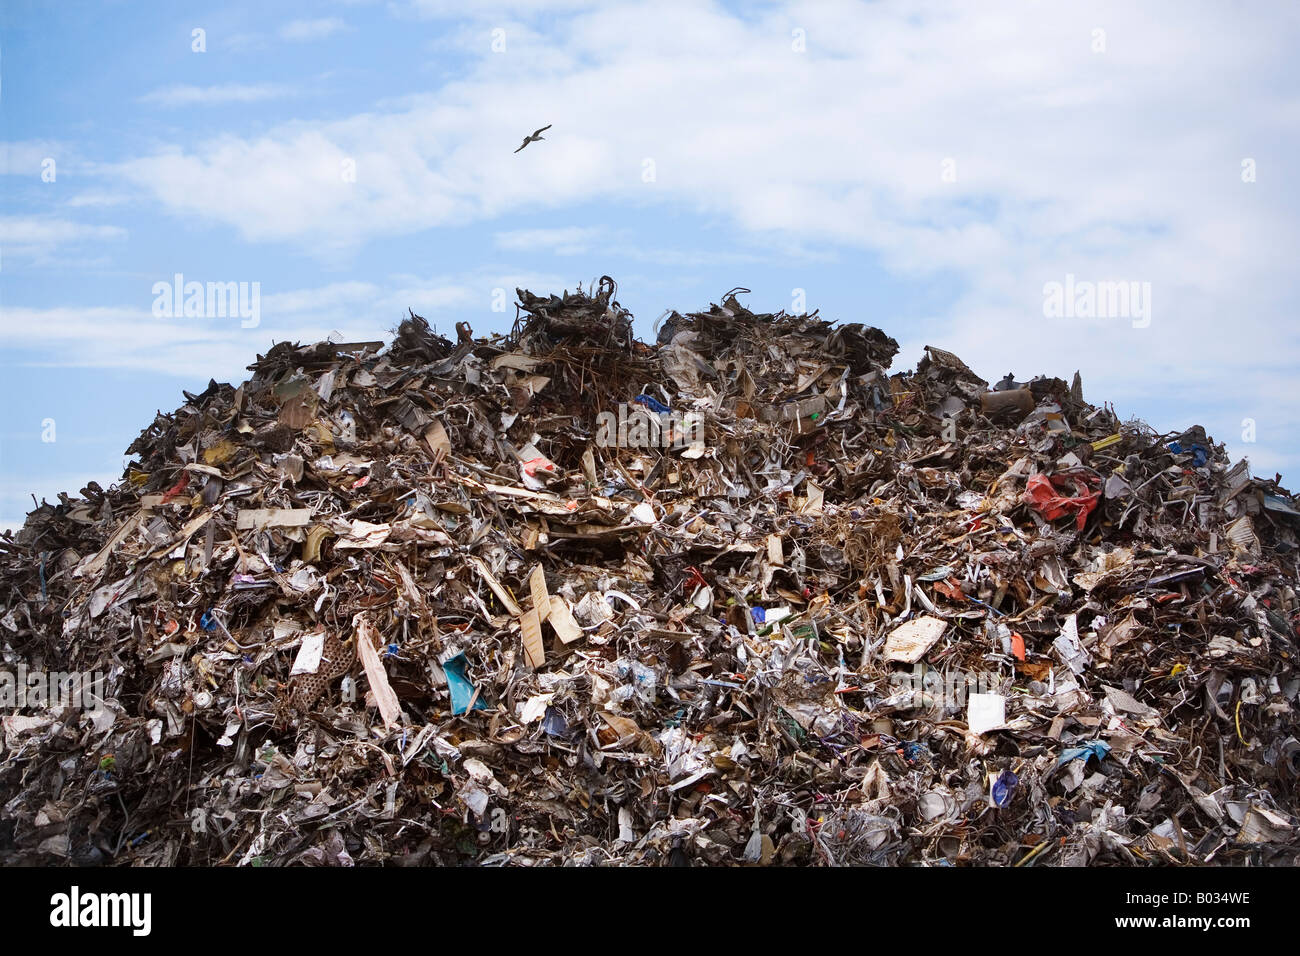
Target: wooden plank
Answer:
pixel 534 651
pixel 385 696
pixel 541 599
pixel 566 628
pixel 437 438
pixel 909 642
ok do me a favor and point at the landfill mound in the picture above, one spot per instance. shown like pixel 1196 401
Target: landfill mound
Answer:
pixel 739 596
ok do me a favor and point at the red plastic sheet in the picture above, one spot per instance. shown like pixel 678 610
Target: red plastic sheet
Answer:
pixel 1044 495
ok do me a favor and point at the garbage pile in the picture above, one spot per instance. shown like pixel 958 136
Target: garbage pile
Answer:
pixel 737 597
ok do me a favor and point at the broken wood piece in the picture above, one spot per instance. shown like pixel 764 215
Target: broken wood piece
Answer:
pixel 562 622
pixel 541 599
pixel 531 627
pixel 909 642
pixel 436 437
pixel 774 551
pixel 385 696
pixel 532 536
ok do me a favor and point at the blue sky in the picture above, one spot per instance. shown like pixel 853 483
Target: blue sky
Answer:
pixel 925 167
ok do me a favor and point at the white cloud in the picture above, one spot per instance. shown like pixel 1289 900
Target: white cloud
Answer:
pixel 37 238
pixel 305 30
pixel 324 299
pixel 580 240
pixel 131 337
pixel 1123 164
pixel 25 158
pixel 173 96
pixel 34 231
pixel 447 9
pixel 244 42
pixel 567 241
pixel 96 200
pixel 125 337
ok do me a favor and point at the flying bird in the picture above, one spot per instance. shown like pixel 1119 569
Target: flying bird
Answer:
pixel 536 136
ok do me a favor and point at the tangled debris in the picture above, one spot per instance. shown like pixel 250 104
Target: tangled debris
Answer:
pixel 737 597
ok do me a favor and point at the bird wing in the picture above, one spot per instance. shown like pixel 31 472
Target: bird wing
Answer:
pixel 544 129
pixel 526 142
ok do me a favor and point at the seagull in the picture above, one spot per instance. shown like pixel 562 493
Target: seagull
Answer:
pixel 536 136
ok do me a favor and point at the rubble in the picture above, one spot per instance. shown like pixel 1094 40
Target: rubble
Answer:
pixel 414 605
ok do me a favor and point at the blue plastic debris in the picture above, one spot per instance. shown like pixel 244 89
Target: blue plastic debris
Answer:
pixel 1093 748
pixel 652 403
pixel 208 622
pixel 1004 788
pixel 759 614
pixel 554 724
pixel 1200 454
pixel 458 682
